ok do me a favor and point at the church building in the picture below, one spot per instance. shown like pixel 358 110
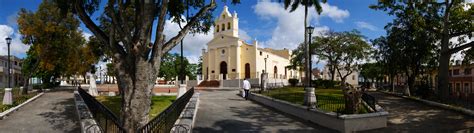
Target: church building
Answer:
pixel 229 57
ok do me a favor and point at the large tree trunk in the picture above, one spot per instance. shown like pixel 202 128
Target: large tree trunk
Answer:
pixel 443 76
pixel 443 69
pixel 135 83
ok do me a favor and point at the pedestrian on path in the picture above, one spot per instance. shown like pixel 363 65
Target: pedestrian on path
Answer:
pixel 246 87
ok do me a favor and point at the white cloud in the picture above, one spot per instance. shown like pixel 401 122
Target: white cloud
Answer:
pixel 365 25
pixel 243 35
pixel 289 30
pixel 17 48
pixel 334 12
pixel 193 43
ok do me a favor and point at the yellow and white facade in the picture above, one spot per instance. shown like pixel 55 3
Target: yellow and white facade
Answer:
pixel 229 57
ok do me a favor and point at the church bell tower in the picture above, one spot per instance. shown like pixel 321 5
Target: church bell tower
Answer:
pixel 226 24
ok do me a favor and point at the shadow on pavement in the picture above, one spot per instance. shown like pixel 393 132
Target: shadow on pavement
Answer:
pixel 63 116
pixel 411 116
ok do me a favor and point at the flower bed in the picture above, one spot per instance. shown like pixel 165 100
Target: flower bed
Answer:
pixel 18 98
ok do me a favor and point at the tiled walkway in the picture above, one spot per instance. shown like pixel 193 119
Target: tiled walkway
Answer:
pixel 54 112
pixel 411 116
pixel 224 111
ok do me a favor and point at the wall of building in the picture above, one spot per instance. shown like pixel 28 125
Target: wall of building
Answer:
pixel 352 79
pixel 16 76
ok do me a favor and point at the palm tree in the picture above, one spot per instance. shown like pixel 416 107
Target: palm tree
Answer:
pixel 294 4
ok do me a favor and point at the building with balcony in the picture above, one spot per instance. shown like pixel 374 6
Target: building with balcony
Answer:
pixel 16 76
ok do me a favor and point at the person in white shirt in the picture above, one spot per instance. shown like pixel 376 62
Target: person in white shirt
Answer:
pixel 246 87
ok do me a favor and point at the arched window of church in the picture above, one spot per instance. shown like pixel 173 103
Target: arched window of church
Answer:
pixel 223 27
pixel 223 16
pixel 228 25
pixel 217 28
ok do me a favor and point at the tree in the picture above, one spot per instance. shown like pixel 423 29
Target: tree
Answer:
pixel 388 57
pixel 53 39
pixel 327 48
pixel 28 68
pixel 127 34
pixel 448 20
pixel 171 64
pixel 294 5
pixel 371 72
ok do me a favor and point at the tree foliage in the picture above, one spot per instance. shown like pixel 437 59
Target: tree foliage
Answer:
pixel 445 20
pixel 171 67
pixel 55 41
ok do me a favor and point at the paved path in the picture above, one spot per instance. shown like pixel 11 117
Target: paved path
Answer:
pixel 224 111
pixel 54 112
pixel 411 116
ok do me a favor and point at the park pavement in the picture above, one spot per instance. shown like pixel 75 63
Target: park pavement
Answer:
pixel 411 116
pixel 54 112
pixel 222 110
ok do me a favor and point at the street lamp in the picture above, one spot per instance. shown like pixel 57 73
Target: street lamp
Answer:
pixel 309 30
pixel 9 40
pixel 310 97
pixel 7 97
pixel 265 64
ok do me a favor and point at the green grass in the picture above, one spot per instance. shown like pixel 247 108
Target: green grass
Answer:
pixel 331 100
pixel 18 98
pixel 158 104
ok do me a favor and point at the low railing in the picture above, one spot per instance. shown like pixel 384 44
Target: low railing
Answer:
pixel 370 100
pixel 330 103
pixel 107 121
pixel 165 121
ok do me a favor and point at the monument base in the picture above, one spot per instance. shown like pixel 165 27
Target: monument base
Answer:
pixel 181 90
pixel 310 97
pixel 7 97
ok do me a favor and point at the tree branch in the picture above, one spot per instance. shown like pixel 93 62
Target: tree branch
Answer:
pixel 89 23
pixel 459 48
pixel 459 34
pixel 173 41
pixel 159 37
pixel 100 34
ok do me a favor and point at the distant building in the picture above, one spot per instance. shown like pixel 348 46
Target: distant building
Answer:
pixel 229 57
pixel 352 79
pixel 316 73
pixel 17 77
pixel 461 80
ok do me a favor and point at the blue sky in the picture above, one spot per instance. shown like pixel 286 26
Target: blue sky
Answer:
pixel 262 20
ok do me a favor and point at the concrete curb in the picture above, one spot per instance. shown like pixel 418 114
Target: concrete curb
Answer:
pixel 5 113
pixel 86 119
pixel 342 123
pixel 436 104
pixel 188 115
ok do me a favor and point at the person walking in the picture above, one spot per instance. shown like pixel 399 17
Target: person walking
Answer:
pixel 246 86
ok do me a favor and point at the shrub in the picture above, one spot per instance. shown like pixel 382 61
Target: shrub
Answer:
pixel 293 82
pixel 320 83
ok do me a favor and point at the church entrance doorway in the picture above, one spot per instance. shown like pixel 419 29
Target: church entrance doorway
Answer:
pixel 223 70
pixel 275 72
pixel 247 70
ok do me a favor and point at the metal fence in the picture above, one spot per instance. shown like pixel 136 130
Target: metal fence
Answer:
pixel 330 103
pixel 107 121
pixel 164 122
pixel 370 100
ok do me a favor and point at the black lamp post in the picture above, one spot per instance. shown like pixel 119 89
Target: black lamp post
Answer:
pixel 265 64
pixel 9 40
pixel 309 30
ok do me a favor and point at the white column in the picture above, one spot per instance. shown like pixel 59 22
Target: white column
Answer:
pixel 92 87
pixel 7 97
